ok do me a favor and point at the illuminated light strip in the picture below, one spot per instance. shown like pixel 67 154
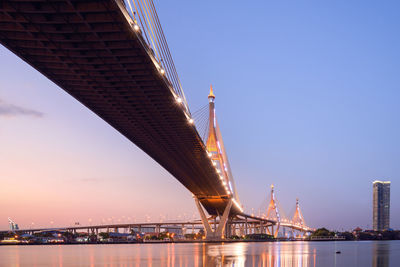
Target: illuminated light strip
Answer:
pixel 215 119
pixel 237 204
pixel 230 186
pixel 159 68
pixel 157 65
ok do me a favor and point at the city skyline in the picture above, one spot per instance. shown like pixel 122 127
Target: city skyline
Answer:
pixel 311 131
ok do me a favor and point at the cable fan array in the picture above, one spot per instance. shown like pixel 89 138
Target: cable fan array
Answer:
pixel 147 24
pixel 201 117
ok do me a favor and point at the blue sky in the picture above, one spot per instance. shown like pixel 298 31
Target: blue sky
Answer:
pixel 307 99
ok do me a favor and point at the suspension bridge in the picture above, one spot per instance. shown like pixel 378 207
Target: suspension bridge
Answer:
pixel 113 57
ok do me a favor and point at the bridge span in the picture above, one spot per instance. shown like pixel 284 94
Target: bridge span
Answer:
pixel 241 226
pixel 112 57
pixel 91 50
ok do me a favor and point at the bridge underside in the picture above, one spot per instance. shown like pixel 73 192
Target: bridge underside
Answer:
pixel 89 49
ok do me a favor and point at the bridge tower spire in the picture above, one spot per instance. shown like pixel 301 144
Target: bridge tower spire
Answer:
pixel 273 208
pixel 211 95
pixel 211 143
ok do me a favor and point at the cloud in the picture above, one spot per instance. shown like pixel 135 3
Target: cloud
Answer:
pixel 9 110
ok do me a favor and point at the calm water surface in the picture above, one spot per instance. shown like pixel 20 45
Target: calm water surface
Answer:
pixel 363 253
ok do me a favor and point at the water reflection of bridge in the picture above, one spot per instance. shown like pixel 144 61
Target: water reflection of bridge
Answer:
pixel 271 254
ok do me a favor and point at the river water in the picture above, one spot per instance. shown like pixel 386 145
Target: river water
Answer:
pixel 297 254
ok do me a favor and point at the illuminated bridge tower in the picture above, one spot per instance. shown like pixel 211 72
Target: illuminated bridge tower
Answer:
pixel 298 220
pixel 273 214
pixel 216 152
pixel 298 217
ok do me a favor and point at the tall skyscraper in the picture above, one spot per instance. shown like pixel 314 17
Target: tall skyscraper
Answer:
pixel 381 205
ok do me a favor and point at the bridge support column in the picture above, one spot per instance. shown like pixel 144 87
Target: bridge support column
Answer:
pixel 218 233
pixel 233 230
pixel 183 230
pixel 273 230
pixel 228 229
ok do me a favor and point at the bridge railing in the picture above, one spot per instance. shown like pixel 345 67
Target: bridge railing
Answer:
pixel 146 23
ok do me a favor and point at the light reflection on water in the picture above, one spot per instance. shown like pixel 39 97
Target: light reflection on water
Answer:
pixel 256 254
pixel 271 254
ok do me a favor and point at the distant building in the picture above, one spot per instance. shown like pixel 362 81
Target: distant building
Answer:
pixel 381 205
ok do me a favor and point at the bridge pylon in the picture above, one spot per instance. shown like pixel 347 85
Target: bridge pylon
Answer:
pixel 216 150
pixel 273 208
pixel 298 219
pixel 298 216
pixel 218 156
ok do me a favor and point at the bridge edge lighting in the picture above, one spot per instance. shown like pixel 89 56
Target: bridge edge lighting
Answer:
pixel 237 204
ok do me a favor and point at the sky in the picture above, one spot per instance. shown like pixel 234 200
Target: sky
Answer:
pixel 307 98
